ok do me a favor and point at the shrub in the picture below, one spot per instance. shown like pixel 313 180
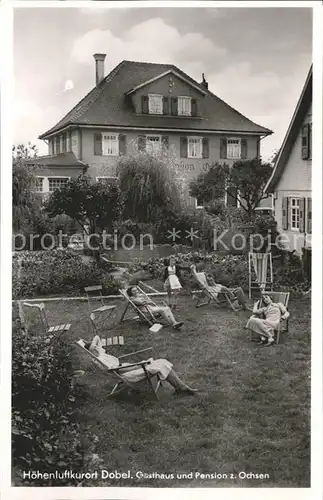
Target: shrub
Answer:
pixel 45 435
pixel 55 272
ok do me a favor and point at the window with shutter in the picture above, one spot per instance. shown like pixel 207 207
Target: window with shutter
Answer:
pixel 110 145
pixel 64 144
pixel 144 104
pixel 155 104
pixel 285 214
pixel 234 148
pixel 153 144
pixel 165 106
pixel 39 184
pixel 57 145
pixel 183 147
pixel 184 106
pixel 98 144
pixel 122 144
pixel 309 215
pixel 302 215
pixel 165 141
pixel 294 213
pixel 194 107
pixel 194 147
pixel 310 141
pixel 174 106
pixel 244 149
pixel 223 147
pixel 305 142
pixel 141 143
pixel 205 147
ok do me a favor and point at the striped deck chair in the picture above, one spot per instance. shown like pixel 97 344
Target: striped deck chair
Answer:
pixel 40 308
pixel 212 294
pixel 153 381
pixel 282 297
pixel 260 265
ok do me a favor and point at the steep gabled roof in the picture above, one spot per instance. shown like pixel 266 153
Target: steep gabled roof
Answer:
pixel 169 72
pixel 107 105
pixel 301 109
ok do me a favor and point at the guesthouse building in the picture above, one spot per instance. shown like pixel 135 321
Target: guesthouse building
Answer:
pixel 146 107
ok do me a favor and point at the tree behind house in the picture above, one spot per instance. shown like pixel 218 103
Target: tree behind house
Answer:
pixel 244 182
pixel 94 206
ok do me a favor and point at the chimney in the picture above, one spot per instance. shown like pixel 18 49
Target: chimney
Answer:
pixel 99 67
pixel 204 82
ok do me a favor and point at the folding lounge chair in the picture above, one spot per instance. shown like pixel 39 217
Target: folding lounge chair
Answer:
pixel 143 313
pixel 43 317
pixel 260 266
pixel 116 373
pixel 104 311
pixel 282 297
pixel 212 295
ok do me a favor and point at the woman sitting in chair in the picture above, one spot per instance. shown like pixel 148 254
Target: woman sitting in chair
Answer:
pixel 162 367
pixel 142 301
pixel 272 313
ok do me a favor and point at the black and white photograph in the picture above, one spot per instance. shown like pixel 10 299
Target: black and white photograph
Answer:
pixel 161 246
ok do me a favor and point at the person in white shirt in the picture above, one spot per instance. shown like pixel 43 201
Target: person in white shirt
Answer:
pixel 162 367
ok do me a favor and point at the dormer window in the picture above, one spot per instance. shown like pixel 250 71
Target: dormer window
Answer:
pixel 184 106
pixel 155 104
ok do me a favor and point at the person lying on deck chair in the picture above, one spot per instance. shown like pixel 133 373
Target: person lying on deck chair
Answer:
pixel 162 367
pixel 273 312
pixel 216 288
pixel 143 302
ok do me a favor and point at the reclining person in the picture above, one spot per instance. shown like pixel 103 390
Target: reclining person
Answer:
pixel 134 374
pixel 273 312
pixel 143 302
pixel 216 288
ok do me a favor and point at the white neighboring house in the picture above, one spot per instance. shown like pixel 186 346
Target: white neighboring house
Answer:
pixel 290 182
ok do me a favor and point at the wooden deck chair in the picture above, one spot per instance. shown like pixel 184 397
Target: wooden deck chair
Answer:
pixel 143 313
pixel 121 383
pixel 103 312
pixel 212 295
pixel 282 297
pixel 40 308
pixel 260 265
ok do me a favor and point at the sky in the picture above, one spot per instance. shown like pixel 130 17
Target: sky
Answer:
pixel 255 59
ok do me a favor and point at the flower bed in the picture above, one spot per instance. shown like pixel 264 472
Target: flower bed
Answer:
pixel 229 270
pixel 55 272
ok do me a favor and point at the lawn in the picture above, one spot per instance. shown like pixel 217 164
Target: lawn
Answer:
pixel 251 414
